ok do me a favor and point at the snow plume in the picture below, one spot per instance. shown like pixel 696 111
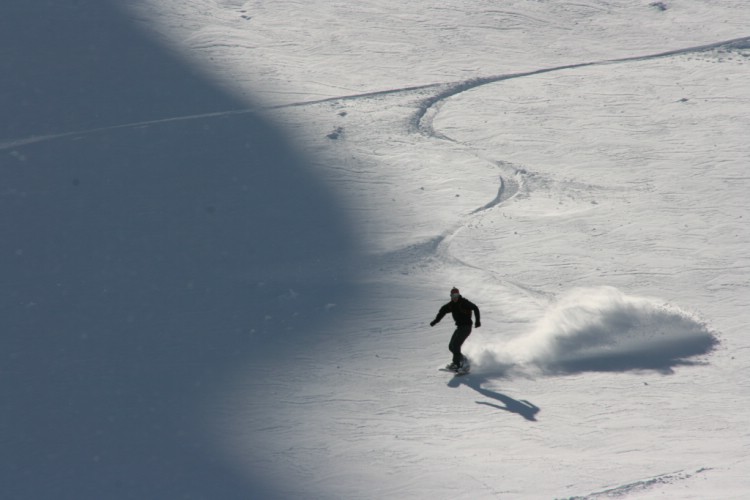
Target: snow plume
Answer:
pixel 602 329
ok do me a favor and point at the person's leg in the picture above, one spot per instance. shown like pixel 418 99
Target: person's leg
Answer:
pixel 452 345
pixel 457 340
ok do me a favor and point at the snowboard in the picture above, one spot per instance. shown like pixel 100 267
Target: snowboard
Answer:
pixel 458 373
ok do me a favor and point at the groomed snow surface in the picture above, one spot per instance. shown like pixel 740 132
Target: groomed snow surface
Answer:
pixel 222 261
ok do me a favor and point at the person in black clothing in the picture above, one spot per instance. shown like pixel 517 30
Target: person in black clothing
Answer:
pixel 461 310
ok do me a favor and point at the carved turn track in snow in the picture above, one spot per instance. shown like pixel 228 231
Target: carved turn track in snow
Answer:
pixel 422 118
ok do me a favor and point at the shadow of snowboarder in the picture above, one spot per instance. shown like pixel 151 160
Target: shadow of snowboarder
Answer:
pixel 522 407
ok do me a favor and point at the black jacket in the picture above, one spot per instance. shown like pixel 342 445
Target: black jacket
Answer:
pixel 461 310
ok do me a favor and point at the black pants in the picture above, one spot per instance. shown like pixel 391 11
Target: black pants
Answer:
pixel 457 340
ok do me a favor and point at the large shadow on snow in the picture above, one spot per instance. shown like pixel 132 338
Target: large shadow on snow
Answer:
pixel 139 265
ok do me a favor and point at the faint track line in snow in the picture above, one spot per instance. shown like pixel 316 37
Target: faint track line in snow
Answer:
pixel 13 143
pixel 510 185
pixel 449 90
pixel 425 126
pixel 422 120
pixel 454 88
pixel 639 486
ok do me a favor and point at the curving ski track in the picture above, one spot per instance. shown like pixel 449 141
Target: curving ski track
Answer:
pixel 425 126
pixel 640 486
pixel 447 90
pixel 510 178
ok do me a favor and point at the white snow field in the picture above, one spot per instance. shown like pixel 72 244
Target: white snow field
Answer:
pixel 579 170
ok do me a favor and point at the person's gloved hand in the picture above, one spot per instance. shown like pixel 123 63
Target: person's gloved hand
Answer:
pixel 433 323
pixel 477 324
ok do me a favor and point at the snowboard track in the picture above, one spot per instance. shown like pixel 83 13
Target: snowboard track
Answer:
pixel 425 126
pixel 641 485
pixel 511 180
pixel 446 90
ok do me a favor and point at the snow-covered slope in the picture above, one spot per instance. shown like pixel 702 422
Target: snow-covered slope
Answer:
pixel 577 169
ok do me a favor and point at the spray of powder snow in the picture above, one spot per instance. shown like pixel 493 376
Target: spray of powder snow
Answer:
pixel 600 329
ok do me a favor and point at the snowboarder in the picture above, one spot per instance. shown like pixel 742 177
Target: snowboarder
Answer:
pixel 461 309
